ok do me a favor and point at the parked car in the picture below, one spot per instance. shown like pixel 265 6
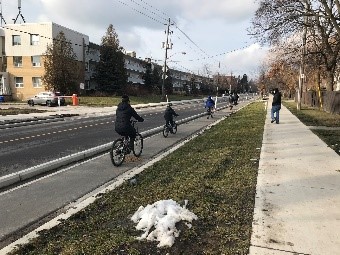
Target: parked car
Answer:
pixel 47 98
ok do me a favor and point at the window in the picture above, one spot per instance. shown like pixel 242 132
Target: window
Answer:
pixel 19 82
pixel 35 60
pixel 16 40
pixel 36 81
pixel 17 61
pixel 35 39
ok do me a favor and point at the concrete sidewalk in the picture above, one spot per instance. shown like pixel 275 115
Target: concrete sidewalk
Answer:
pixel 297 208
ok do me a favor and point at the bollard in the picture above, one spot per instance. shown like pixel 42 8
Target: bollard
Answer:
pixel 74 99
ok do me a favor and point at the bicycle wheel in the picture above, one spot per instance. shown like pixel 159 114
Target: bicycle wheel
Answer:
pixel 174 128
pixel 138 145
pixel 117 154
pixel 165 131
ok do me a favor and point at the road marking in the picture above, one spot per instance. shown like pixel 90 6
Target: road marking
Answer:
pixel 55 132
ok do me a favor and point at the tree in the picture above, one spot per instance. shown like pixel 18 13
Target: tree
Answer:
pixel 62 73
pixel 157 79
pixel 110 72
pixel 275 22
pixel 147 76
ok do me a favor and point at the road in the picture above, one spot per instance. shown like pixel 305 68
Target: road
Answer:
pixel 27 206
pixel 27 146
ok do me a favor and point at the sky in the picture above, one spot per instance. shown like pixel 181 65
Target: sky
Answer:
pixel 212 33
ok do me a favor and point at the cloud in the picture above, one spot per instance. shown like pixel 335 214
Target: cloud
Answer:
pixel 203 29
pixel 246 60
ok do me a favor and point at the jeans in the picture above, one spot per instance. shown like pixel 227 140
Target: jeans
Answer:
pixel 276 111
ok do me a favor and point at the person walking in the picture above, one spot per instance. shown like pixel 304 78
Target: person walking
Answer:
pixel 276 106
pixel 123 125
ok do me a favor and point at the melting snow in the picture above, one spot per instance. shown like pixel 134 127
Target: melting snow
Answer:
pixel 161 217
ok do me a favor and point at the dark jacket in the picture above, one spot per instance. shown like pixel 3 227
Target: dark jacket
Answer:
pixel 277 97
pixel 124 113
pixel 169 113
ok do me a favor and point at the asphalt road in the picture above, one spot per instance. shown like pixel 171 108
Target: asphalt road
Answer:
pixel 28 146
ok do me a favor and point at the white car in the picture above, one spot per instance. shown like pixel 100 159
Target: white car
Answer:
pixel 47 98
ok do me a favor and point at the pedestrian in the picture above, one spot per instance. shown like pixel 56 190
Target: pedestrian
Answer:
pixel 276 106
pixel 123 125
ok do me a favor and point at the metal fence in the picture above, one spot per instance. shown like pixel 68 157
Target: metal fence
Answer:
pixel 330 100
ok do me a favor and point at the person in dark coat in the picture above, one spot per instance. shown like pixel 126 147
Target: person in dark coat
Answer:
pixel 124 113
pixel 169 115
pixel 276 106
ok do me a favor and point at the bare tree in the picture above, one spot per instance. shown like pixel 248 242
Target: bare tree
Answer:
pixel 277 21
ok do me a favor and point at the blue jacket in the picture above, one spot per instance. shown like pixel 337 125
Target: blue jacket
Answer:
pixel 209 103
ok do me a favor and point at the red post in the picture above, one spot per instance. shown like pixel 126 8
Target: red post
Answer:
pixel 75 99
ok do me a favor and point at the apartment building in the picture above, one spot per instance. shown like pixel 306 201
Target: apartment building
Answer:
pixel 25 47
pixel 22 50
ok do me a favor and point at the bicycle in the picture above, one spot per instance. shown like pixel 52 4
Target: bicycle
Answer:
pixel 171 128
pixel 120 147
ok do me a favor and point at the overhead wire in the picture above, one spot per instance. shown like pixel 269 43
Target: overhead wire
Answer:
pixel 158 21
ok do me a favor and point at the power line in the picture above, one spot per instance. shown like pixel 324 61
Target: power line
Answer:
pixel 148 9
pixel 166 15
pixel 158 21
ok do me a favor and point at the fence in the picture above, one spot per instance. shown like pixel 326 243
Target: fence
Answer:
pixel 330 100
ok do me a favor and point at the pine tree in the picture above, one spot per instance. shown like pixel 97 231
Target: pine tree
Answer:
pixel 62 72
pixel 110 72
pixel 156 79
pixel 147 76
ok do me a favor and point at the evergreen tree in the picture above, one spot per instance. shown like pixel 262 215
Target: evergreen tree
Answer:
pixel 62 73
pixel 110 72
pixel 156 79
pixel 168 83
pixel 147 76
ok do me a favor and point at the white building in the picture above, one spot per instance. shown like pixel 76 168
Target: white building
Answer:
pixel 25 47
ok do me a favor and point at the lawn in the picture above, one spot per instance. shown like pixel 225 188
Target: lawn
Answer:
pixel 216 172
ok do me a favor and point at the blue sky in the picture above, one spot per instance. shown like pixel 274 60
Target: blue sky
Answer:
pixel 211 32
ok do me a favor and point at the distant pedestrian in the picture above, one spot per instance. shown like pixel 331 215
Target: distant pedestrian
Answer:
pixel 276 106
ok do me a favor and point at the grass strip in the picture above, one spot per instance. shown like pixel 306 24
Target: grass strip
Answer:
pixel 315 117
pixel 216 172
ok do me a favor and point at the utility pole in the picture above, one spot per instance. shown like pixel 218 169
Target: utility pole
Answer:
pixel 165 68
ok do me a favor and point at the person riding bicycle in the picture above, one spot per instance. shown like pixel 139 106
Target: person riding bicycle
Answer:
pixel 169 115
pixel 123 125
pixel 210 103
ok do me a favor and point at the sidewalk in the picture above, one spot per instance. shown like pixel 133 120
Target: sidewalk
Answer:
pixel 297 207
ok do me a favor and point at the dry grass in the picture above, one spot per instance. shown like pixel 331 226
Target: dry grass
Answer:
pixel 215 172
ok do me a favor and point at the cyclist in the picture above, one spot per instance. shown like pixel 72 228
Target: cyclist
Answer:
pixel 124 113
pixel 210 103
pixel 169 116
